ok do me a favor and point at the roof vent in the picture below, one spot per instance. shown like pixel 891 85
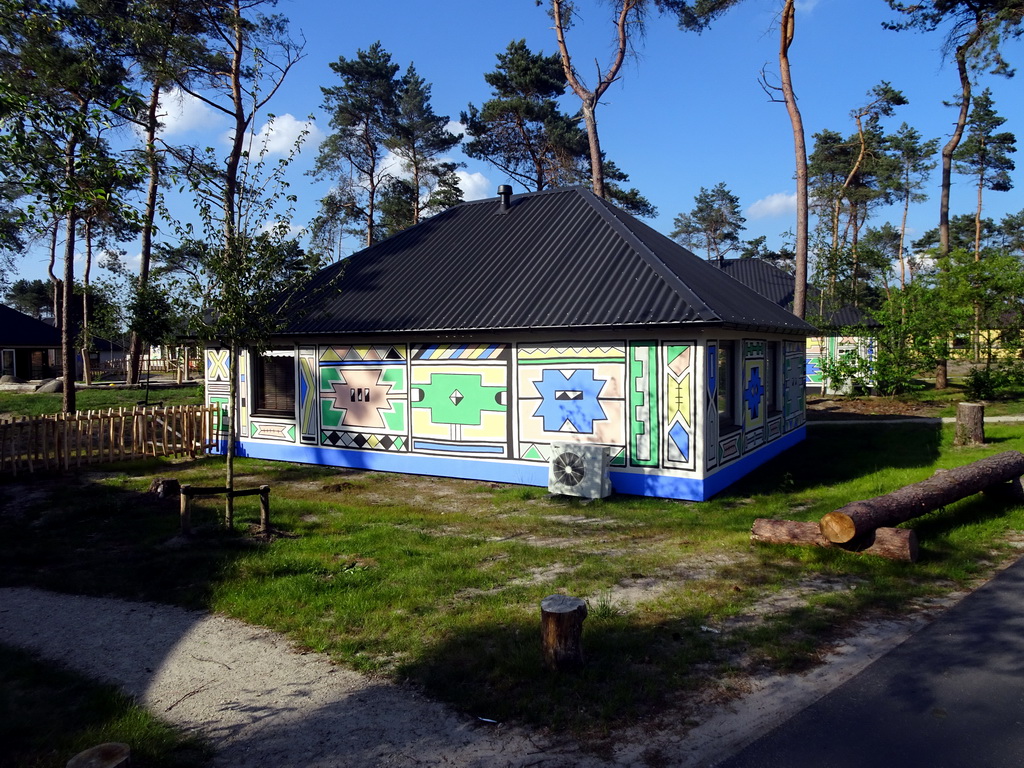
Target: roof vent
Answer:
pixel 505 196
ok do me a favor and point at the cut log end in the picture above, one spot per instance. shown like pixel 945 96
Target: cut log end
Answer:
pixel 838 527
pixel 890 543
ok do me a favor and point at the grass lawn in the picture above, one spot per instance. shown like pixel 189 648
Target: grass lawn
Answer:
pixel 101 398
pixel 48 715
pixel 438 582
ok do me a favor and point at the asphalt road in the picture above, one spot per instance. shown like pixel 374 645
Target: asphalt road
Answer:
pixel 951 696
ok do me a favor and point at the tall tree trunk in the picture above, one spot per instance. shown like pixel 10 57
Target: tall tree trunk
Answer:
pixel 229 449
pixel 84 334
pixel 942 367
pixel 596 171
pixel 58 290
pixel 589 98
pixel 787 27
pixel 899 253
pixel 67 330
pixel 134 363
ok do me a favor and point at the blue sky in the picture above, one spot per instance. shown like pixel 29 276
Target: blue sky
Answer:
pixel 687 112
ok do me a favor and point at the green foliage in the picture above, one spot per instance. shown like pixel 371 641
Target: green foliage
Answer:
pixel 714 223
pixel 521 130
pixel 983 383
pixel 33 297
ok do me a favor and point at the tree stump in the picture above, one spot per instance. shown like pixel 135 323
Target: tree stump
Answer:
pixel 858 518
pixel 970 424
pixel 561 631
pixel 110 755
pixel 890 543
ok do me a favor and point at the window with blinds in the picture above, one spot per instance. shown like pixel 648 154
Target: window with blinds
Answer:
pixel 274 385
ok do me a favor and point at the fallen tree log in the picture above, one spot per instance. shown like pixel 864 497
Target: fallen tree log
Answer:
pixel 890 543
pixel 859 518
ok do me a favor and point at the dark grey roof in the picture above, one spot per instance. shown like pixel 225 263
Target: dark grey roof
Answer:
pixel 771 282
pixel 778 286
pixel 20 330
pixel 562 258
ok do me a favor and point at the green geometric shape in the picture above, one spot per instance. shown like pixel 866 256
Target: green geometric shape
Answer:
pixel 643 402
pixel 397 420
pixel 329 415
pixel 459 398
pixel 534 453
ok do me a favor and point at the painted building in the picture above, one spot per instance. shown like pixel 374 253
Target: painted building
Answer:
pixel 467 345
pixel 29 348
pixel 834 339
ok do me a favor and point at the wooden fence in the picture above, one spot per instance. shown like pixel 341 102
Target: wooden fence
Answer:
pixel 65 441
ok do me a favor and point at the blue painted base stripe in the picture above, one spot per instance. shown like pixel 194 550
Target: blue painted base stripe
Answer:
pixel 730 473
pixel 519 473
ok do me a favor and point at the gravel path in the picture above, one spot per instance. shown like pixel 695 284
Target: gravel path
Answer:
pixel 260 703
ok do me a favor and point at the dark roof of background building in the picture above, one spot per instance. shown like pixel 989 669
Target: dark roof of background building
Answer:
pixel 20 330
pixel 562 258
pixel 778 286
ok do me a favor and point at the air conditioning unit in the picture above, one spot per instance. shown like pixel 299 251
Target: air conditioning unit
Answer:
pixel 581 470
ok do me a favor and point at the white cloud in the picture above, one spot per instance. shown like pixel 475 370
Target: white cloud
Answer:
pixel 776 204
pixel 454 127
pixel 474 186
pixel 182 113
pixel 806 6
pixel 278 136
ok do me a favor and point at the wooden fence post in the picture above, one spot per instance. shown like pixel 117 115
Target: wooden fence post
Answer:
pixel 264 509
pixel 186 510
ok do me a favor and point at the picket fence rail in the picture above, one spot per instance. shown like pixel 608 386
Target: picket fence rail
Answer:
pixel 65 441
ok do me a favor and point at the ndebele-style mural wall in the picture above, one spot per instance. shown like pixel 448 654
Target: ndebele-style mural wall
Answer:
pixel 687 392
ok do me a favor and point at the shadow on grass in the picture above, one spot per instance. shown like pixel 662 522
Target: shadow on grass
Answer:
pixel 80 536
pixel 48 714
pixel 835 454
pixel 631 669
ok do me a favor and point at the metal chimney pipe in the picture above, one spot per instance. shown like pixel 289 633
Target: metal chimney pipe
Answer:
pixel 505 196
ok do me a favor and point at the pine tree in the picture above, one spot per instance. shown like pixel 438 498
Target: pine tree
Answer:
pixel 985 155
pixel 363 110
pixel 420 137
pixel 713 225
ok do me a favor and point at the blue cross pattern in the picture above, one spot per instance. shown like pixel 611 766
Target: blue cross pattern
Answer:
pixel 754 392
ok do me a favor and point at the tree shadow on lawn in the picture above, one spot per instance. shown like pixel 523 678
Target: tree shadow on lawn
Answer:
pixel 71 534
pixel 836 454
pixel 631 670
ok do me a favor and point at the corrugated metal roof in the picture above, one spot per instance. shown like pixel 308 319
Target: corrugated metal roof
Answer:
pixel 554 259
pixel 20 330
pixel 778 287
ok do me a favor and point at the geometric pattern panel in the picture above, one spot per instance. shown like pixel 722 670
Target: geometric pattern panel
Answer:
pixel 680 388
pixel 308 400
pixel 217 368
pixel 711 406
pixel 753 398
pixel 812 371
pixel 338 439
pixel 272 430
pixel 458 397
pixel 364 389
pixel 243 392
pixel 575 392
pixel 730 448
pixel 794 367
pixel 644 419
